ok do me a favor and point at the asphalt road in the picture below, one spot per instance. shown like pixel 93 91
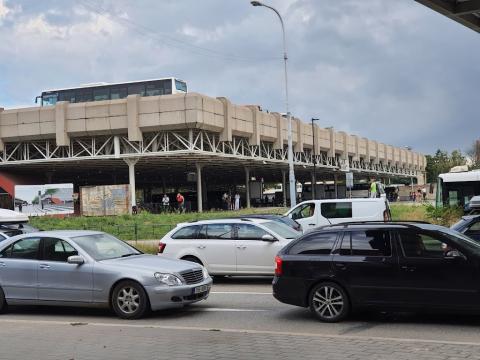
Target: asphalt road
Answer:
pixel 240 315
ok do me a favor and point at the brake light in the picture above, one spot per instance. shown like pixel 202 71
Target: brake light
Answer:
pixel 161 247
pixel 278 266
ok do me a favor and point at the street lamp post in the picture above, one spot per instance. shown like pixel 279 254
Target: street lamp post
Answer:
pixel 314 182
pixel 291 170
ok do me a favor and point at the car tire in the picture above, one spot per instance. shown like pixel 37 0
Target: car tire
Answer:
pixel 129 300
pixel 192 259
pixel 3 302
pixel 329 302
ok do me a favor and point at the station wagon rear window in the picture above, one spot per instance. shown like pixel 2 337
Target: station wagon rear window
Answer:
pixel 187 232
pixel 366 243
pixel 315 244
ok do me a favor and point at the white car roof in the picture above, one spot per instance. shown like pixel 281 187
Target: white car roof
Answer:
pixel 11 217
pixel 245 220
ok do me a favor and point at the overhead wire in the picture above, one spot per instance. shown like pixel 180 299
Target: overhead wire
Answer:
pixel 167 39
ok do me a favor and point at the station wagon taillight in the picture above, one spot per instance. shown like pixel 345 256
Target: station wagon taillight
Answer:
pixel 161 247
pixel 278 266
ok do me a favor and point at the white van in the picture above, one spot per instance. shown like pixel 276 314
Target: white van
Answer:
pixel 314 213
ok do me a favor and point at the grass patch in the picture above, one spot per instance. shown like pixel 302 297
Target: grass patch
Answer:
pixel 138 227
pixel 409 212
pixel 446 216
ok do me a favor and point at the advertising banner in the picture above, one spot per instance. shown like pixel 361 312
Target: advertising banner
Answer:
pixel 104 200
pixel 39 200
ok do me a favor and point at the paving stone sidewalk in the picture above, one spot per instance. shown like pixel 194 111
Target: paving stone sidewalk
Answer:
pixel 83 342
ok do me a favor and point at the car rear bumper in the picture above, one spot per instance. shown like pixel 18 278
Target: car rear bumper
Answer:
pixel 165 297
pixel 288 291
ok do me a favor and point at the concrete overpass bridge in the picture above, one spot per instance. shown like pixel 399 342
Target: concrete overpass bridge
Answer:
pixel 159 140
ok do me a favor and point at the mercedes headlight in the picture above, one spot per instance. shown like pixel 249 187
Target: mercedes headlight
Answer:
pixel 205 273
pixel 168 279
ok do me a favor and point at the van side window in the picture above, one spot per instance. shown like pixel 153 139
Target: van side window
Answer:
pixel 315 244
pixel 366 243
pixel 335 210
pixel 303 211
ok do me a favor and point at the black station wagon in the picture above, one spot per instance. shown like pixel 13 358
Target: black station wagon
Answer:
pixel 401 266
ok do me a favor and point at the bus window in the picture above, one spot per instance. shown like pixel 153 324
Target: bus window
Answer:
pixel 154 89
pixel 101 94
pixel 180 86
pixel 118 92
pixel 49 99
pixel 167 86
pixel 136 89
pixel 66 96
pixel 84 95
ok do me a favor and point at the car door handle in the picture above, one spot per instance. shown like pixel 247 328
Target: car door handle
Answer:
pixel 408 268
pixel 341 266
pixel 311 224
pixel 201 246
pixel 2 264
pixel 241 247
pixel 44 266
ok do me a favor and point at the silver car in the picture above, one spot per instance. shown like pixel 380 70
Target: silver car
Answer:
pixel 90 268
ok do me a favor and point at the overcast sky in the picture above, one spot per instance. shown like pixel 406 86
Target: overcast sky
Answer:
pixel 391 70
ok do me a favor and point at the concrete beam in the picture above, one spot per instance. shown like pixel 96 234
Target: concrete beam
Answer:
pixel 134 132
pixel 254 139
pixel 226 133
pixel 298 124
pixel 279 141
pixel 61 135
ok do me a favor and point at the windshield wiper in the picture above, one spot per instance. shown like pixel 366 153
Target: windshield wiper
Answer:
pixel 131 254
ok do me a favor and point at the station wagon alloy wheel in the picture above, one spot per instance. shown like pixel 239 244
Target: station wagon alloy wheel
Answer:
pixel 329 302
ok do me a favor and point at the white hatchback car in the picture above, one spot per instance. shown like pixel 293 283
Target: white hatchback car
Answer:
pixel 229 246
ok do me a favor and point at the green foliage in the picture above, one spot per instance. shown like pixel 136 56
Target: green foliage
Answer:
pixel 446 215
pixel 442 162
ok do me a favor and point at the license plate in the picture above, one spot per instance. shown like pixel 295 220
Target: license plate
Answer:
pixel 201 289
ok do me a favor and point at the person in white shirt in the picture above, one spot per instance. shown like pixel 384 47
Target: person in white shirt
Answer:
pixel 237 201
pixel 165 202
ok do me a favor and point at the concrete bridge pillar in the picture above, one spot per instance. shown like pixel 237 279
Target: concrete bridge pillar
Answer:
pixel 199 188
pixel 247 187
pixel 131 162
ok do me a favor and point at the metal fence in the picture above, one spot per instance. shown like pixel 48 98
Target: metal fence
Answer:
pixel 131 231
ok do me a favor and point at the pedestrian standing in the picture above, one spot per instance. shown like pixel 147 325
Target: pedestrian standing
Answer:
pixel 229 202
pixel 180 202
pixel 237 201
pixel 165 203
pixel 424 194
pixel 373 189
pixel 224 201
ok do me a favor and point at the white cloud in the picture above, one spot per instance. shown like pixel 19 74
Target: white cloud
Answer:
pixel 7 12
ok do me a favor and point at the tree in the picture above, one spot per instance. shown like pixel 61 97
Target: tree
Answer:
pixel 442 162
pixel 473 153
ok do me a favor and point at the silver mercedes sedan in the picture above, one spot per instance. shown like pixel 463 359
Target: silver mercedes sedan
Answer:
pixel 90 268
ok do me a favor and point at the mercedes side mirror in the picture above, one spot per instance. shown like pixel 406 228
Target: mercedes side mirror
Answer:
pixel 75 259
